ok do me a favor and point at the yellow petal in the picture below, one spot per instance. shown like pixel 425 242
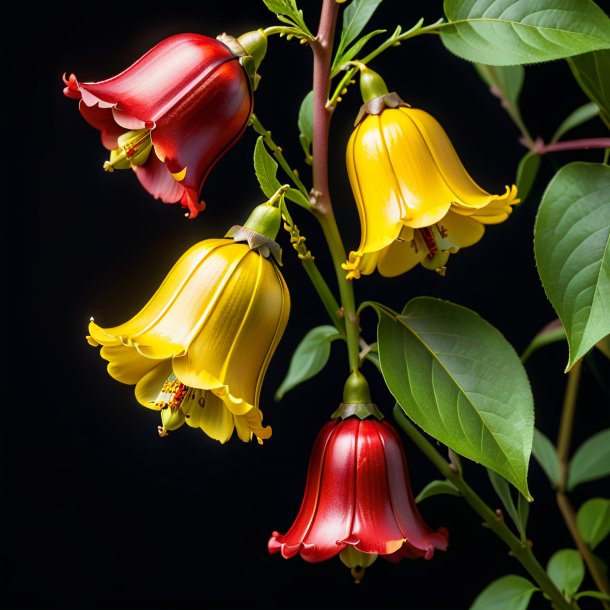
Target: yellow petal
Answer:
pixel 459 231
pixel 125 364
pixel 148 387
pixel 401 256
pixel 252 423
pixel 214 418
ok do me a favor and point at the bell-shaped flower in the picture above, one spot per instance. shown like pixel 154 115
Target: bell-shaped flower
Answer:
pixel 199 349
pixel 415 200
pixel 358 501
pixel 172 114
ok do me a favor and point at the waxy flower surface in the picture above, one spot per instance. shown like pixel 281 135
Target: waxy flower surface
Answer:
pixel 172 114
pixel 358 498
pixel 199 349
pixel 415 200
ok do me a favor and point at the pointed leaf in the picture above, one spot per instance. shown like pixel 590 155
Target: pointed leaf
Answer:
pixel 350 53
pixel 504 32
pixel 527 170
pixel 576 118
pixel 591 460
pixel 458 378
pixel 436 488
pixel 507 593
pixel 551 333
pixel 591 72
pixel 593 594
pixel 305 123
pixel 503 489
pixel 546 455
pixel 567 570
pixel 297 197
pixel 309 358
pixel 505 82
pixel 593 520
pixel 355 17
pixel 265 169
pixel 572 247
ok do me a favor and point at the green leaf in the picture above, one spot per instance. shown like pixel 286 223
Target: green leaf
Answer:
pixel 591 72
pixel 305 123
pixel 551 333
pixel 505 82
pixel 567 570
pixel 579 116
pixel 593 594
pixel 458 378
pixel 265 169
pixel 546 455
pixel 572 247
pixel 309 358
pixel 505 32
pixel 593 520
pixel 591 461
pixel 349 54
pixel 288 12
pixel 297 197
pixel 507 593
pixel 355 17
pixel 436 488
pixel 527 170
pixel 503 489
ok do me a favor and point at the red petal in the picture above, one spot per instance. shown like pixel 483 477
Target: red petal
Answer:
pixel 71 89
pixel 413 527
pixel 375 523
pixel 171 71
pixel 156 179
pixel 203 126
pixel 102 119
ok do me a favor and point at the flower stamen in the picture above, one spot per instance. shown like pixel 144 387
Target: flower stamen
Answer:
pixel 133 150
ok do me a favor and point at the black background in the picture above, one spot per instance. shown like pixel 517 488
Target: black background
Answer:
pixel 102 513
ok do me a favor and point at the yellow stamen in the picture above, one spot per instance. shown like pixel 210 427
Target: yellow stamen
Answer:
pixel 133 150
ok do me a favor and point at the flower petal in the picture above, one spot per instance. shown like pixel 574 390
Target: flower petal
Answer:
pixel 102 119
pixel 157 180
pixel 148 387
pixel 401 255
pixel 125 364
pixel 461 231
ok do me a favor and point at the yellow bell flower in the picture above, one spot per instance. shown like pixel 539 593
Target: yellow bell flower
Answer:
pixel 199 349
pixel 415 200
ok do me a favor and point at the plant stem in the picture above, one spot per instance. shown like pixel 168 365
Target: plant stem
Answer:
pixel 583 144
pixel 566 425
pixel 519 549
pixel 320 195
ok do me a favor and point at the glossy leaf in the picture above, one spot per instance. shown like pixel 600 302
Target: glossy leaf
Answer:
pixel 504 32
pixel 527 171
pixel 546 455
pixel 591 461
pixel 572 247
pixel 567 570
pixel 576 118
pixel 551 333
pixel 309 358
pixel 503 490
pixel 458 378
pixel 305 123
pixel 507 593
pixel 593 520
pixel 591 72
pixel 265 169
pixel 355 16
pixel 436 488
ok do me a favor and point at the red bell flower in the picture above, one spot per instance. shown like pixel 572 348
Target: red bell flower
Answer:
pixel 358 498
pixel 173 113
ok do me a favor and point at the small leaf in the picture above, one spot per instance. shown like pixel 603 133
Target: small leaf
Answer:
pixel 593 594
pixel 355 17
pixel 551 333
pixel 265 169
pixel 503 489
pixel 576 118
pixel 572 247
pixel 297 197
pixel 593 520
pixel 458 378
pixel 502 33
pixel 435 488
pixel 305 123
pixel 567 570
pixel 507 593
pixel 309 358
pixel 546 455
pixel 591 72
pixel 591 460
pixel 527 170
pixel 350 53
pixel 288 12
pixel 505 82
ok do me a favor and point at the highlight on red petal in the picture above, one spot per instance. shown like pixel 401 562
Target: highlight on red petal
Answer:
pixel 191 93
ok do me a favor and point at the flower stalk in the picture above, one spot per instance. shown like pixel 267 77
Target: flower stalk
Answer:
pixel 520 550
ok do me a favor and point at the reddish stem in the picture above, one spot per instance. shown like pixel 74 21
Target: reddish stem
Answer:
pixel 540 148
